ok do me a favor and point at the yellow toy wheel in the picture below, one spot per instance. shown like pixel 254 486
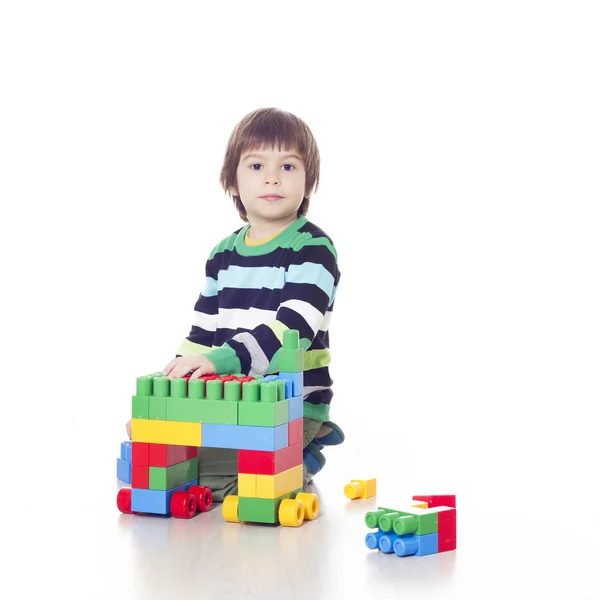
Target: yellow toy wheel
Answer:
pixel 230 509
pixel 291 513
pixel 310 503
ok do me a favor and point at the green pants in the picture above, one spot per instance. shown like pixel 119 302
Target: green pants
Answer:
pixel 218 467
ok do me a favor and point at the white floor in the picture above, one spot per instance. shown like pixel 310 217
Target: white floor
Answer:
pixel 511 543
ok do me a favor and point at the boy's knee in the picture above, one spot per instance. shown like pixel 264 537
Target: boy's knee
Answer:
pixel 311 428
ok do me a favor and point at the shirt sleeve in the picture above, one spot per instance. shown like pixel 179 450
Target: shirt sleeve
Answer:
pixel 308 293
pixel 204 320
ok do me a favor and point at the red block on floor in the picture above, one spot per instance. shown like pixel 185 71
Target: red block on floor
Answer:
pixel 265 462
pixel 447 530
pixel 166 455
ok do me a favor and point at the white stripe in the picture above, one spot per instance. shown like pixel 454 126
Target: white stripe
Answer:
pixel 259 362
pixel 309 389
pixel 243 318
pixel 204 321
pixel 326 321
pixel 307 311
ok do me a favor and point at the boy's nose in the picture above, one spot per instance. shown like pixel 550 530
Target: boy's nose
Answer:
pixel 272 178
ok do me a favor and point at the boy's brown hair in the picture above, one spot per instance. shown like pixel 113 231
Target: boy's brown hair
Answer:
pixel 266 128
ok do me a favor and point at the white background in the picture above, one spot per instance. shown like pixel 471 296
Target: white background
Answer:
pixel 459 181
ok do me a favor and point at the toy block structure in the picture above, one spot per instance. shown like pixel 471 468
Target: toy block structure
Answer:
pixel 360 488
pixel 260 417
pixel 427 526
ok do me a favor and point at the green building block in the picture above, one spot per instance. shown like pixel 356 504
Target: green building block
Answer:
pixel 196 388
pixel 165 478
pixel 161 387
pixel 178 388
pixel 262 510
pixel 143 386
pixel 139 407
pixel 388 519
pixel 214 389
pixel 291 339
pixel 186 410
pixel 263 414
pixel 218 411
pixel 157 408
pixel 290 361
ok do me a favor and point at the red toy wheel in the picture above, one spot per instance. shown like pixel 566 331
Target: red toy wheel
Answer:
pixel 203 496
pixel 183 505
pixel 124 501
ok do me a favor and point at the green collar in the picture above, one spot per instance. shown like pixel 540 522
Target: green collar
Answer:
pixel 279 240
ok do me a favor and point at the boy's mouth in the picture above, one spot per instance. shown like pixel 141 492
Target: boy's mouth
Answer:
pixel 272 197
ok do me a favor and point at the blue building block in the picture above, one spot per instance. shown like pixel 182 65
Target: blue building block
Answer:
pixel 244 437
pixel 296 408
pixel 386 542
pixel 297 380
pixel 428 544
pixel 124 471
pixel 126 451
pixel 402 545
pixel 419 545
pixel 156 502
pixel 372 539
pixel 289 384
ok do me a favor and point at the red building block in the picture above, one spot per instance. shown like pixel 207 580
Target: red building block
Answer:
pixel 166 455
pixel 433 501
pixel 447 530
pixel 140 477
pixel 446 520
pixel 295 431
pixel 139 454
pixel 266 462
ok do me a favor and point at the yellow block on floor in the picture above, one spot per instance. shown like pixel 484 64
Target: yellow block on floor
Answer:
pixel 166 432
pixel 273 486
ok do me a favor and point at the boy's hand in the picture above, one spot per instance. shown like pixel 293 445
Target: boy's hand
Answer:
pixel 196 364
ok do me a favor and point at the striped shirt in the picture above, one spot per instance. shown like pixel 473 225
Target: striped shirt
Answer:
pixel 253 293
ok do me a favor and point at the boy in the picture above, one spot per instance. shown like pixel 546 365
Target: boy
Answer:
pixel 277 272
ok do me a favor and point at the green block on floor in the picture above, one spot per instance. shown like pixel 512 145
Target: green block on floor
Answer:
pixel 186 410
pixel 426 523
pixel 165 478
pixel 219 411
pixel 264 414
pixel 290 361
pixel 157 408
pixel 262 510
pixel 139 407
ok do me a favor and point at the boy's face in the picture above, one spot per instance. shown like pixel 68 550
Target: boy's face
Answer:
pixel 271 184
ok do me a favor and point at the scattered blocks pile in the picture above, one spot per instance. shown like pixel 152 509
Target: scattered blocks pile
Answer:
pixel 427 526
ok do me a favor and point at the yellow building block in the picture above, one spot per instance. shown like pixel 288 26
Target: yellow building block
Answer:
pixel 360 488
pixel 419 504
pixel 247 485
pixel 273 486
pixel 176 433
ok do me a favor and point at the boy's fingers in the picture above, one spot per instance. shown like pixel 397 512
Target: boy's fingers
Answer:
pixel 197 373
